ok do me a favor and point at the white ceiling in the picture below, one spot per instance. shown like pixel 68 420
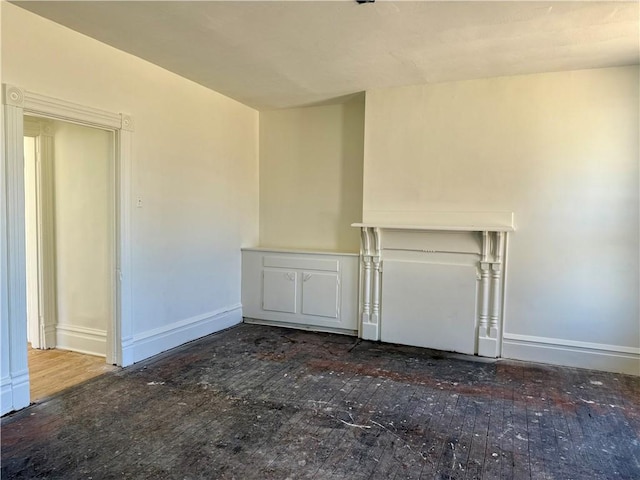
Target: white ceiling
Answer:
pixel 275 54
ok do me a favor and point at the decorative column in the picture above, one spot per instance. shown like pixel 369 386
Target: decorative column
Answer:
pixel 365 273
pixel 370 275
pixel 491 285
pixel 377 272
pixel 13 307
pixel 496 280
pixel 483 308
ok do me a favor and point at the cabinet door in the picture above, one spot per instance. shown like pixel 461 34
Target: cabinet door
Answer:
pixel 279 290
pixel 320 293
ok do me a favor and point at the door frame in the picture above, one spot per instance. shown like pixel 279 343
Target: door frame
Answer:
pixel 14 382
pixel 43 287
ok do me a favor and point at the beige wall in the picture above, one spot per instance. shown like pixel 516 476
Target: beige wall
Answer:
pixel 561 151
pixel 84 212
pixel 30 237
pixel 311 176
pixel 195 164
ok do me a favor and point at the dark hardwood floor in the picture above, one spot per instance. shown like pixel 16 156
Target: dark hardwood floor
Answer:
pixel 259 402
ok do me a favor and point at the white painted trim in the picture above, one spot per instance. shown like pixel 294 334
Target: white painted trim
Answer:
pixel 6 394
pixel 15 293
pixel 449 221
pixel 45 287
pixel 504 294
pixel 572 343
pixel 158 340
pixel 49 335
pixel 301 251
pixel 91 341
pixel 6 389
pixel 597 356
pixel 46 242
pixel 369 289
pixel 127 351
pixel 369 331
pixel 297 326
pixel 14 390
pixel 122 333
pixel 43 105
pixel 16 102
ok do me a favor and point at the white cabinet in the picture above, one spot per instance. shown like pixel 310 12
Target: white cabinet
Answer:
pixel 320 294
pixel 279 290
pixel 315 290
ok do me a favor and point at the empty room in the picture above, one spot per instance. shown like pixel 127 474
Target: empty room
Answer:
pixel 324 239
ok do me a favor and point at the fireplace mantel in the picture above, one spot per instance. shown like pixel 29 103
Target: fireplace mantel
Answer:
pixel 436 284
pixel 495 221
pixel 449 228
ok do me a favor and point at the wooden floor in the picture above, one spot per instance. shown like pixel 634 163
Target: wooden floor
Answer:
pixel 262 403
pixel 51 371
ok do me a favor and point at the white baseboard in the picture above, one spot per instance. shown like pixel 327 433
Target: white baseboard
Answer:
pixel 595 356
pixel 49 337
pixel 6 395
pixel 127 352
pixel 152 342
pixel 14 392
pixel 81 339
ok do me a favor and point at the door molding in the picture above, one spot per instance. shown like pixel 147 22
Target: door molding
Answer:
pixel 41 131
pixel 14 384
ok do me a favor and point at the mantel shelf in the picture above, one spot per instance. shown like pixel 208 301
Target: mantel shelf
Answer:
pixel 450 228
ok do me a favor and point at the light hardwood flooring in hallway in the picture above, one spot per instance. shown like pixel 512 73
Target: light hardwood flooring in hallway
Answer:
pixel 51 371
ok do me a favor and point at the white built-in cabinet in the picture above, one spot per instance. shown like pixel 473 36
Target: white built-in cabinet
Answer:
pixel 433 285
pixel 315 290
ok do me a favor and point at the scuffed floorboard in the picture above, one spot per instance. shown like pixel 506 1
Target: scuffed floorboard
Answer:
pixel 258 402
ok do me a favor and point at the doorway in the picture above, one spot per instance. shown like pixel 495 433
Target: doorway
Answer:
pixel 18 103
pixel 70 251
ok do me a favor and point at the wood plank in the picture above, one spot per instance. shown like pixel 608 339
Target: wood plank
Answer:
pixel 265 403
pixel 52 371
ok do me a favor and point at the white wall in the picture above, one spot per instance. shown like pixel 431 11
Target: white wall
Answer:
pixel 84 232
pixel 31 245
pixel 561 151
pixel 195 169
pixel 311 176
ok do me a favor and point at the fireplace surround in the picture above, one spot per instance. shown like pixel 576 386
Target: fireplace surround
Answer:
pixel 439 283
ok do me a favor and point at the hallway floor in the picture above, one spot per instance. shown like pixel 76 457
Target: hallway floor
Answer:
pixel 51 371
pixel 258 402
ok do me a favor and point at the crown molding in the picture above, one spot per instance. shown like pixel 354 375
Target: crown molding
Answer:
pixel 64 110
